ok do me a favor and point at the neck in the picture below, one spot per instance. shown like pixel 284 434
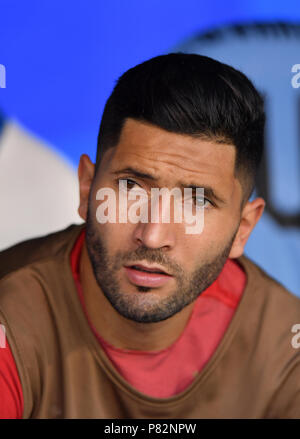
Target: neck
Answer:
pixel 120 332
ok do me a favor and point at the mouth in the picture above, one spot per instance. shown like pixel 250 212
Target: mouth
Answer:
pixel 146 269
pixel 146 276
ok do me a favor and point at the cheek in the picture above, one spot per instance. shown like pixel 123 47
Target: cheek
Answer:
pixel 116 236
pixel 194 251
pixel 202 248
pixel 220 225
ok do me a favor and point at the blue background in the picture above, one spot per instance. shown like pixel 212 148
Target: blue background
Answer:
pixel 63 57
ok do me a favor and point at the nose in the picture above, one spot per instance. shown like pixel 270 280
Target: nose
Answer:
pixel 154 235
pixel 159 234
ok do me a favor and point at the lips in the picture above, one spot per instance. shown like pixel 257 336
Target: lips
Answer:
pixel 146 276
pixel 140 267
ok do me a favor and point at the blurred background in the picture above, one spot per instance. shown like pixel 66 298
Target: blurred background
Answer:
pixel 59 62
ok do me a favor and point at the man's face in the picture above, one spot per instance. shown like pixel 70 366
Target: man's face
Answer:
pixel 192 261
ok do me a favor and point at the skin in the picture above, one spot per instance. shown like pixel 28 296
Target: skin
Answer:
pixel 151 319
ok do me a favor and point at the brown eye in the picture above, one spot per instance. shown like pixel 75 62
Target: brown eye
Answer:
pixel 129 183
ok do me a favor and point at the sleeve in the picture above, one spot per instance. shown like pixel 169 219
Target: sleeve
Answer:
pixel 11 395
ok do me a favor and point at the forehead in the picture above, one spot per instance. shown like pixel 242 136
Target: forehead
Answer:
pixel 170 157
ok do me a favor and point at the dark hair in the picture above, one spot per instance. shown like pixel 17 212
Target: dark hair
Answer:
pixel 195 95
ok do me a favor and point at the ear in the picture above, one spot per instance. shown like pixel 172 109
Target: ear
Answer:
pixel 250 216
pixel 86 171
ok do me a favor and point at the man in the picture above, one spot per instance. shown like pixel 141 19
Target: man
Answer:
pixel 140 319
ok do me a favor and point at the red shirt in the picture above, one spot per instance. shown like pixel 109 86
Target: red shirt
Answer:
pixel 162 373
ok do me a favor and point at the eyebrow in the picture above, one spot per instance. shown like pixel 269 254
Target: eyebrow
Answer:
pixel 208 190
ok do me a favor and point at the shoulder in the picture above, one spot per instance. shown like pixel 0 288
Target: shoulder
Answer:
pixel 270 313
pixel 32 275
pixel 38 249
pixel 35 285
pixel 268 291
pixel 35 300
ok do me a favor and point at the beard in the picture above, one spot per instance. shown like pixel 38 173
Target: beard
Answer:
pixel 149 307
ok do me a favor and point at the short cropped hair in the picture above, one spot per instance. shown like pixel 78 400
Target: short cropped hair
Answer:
pixel 194 95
